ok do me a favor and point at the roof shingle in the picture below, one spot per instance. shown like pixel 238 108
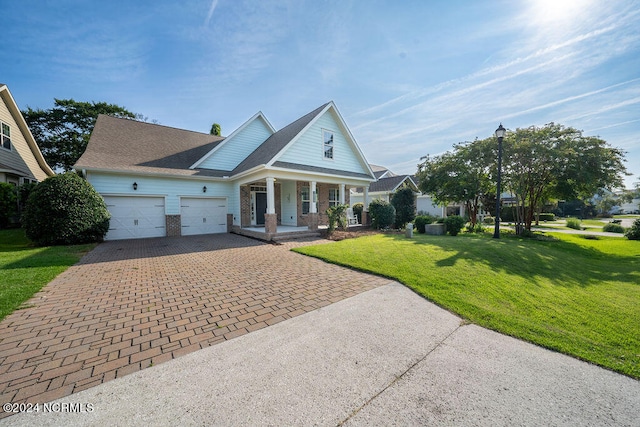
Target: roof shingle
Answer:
pixel 123 144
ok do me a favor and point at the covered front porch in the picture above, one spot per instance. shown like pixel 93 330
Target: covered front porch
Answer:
pixel 278 208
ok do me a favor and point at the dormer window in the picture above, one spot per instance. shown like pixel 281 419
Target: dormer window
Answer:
pixel 327 137
pixel 5 137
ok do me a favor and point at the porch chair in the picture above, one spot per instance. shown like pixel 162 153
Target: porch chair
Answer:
pixel 352 219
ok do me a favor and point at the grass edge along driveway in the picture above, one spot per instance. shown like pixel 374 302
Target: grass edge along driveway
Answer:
pixel 570 294
pixel 25 269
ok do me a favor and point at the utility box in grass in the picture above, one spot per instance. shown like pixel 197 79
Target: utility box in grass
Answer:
pixel 435 229
pixel 409 230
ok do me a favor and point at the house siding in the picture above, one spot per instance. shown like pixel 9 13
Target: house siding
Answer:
pixel 171 189
pixel 308 149
pixel 289 204
pixel 20 156
pixel 235 149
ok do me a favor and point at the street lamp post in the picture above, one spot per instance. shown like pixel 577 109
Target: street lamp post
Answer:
pixel 500 135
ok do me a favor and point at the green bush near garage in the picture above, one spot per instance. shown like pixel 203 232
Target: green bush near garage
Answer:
pixel 65 210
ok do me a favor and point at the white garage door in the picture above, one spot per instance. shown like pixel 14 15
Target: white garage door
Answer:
pixel 135 217
pixel 203 216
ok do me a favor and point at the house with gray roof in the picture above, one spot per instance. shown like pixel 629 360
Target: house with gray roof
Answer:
pixel 21 160
pixel 162 181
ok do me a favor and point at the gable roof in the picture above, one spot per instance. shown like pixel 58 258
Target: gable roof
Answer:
pixel 129 145
pixel 118 144
pixel 24 169
pixel 269 152
pixel 381 171
pixel 228 139
pixel 390 184
pixel 277 142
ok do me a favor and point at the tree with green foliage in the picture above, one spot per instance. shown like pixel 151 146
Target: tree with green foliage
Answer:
pixel 539 163
pixel 8 203
pixel 62 132
pixel 215 130
pixel 460 176
pixel 64 210
pixel 404 202
pixel 559 162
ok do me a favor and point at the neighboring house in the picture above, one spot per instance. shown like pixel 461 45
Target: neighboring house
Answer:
pixel 162 181
pixel 20 158
pixel 381 172
pixel 387 184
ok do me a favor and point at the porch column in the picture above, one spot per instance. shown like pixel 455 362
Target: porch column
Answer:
pixel 270 218
pixel 271 196
pixel 342 197
pixel 313 208
pixel 365 206
pixel 314 198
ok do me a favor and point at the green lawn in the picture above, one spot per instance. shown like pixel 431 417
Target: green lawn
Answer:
pixel 25 269
pixel 573 295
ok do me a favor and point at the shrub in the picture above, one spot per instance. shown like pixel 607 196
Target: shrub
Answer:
pixel 633 233
pixel 357 211
pixel 23 194
pixel 478 228
pixel 489 220
pixel 337 215
pixel 574 223
pixel 8 203
pixel 65 209
pixel 422 220
pixel 404 202
pixel 454 224
pixel 613 228
pixel 546 217
pixel 382 214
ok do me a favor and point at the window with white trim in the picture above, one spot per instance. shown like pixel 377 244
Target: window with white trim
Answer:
pixel 306 199
pixel 5 137
pixel 327 138
pixel 334 197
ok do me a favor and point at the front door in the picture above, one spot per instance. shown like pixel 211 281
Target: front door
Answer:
pixel 261 207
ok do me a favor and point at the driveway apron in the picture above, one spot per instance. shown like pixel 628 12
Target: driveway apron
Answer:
pixel 129 305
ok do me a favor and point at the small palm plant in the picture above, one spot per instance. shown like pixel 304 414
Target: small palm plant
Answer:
pixel 337 216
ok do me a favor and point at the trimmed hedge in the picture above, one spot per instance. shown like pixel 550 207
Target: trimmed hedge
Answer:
pixel 454 224
pixel 8 203
pixel 383 214
pixel 546 217
pixel 613 228
pixel 574 223
pixel 633 233
pixel 65 210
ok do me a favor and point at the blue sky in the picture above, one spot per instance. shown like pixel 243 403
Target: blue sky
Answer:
pixel 410 77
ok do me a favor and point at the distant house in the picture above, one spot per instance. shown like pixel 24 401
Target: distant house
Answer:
pixel 20 158
pixel 389 182
pixel 162 181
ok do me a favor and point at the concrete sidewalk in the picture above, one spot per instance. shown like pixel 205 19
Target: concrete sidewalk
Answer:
pixel 382 357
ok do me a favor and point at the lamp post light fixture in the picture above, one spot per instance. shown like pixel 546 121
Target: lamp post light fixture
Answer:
pixel 500 132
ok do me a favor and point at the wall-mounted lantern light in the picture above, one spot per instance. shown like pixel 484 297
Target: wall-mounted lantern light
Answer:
pixel 204 189
pixel 135 186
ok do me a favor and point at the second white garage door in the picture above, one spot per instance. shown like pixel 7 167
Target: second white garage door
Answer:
pixel 203 216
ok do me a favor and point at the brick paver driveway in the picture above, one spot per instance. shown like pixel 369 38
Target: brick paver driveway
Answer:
pixel 132 304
